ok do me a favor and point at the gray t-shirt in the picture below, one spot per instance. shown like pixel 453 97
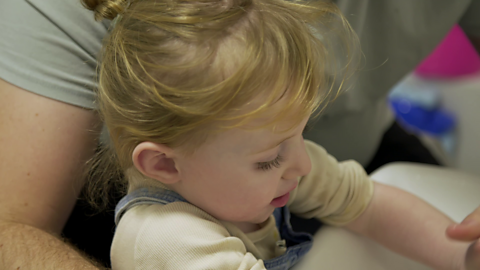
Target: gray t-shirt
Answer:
pixel 49 47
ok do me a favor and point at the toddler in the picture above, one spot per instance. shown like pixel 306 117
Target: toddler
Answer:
pixel 205 102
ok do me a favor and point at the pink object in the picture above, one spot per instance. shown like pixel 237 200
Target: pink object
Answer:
pixel 454 57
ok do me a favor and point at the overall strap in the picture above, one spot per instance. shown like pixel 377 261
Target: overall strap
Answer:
pixel 145 195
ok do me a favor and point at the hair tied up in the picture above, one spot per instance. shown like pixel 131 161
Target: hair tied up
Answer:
pixel 106 9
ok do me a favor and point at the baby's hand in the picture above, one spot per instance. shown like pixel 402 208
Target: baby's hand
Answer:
pixel 472 259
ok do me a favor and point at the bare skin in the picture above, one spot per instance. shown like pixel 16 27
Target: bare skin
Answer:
pixel 414 234
pixel 44 144
pixel 468 229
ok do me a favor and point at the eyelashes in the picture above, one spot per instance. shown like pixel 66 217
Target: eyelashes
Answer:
pixel 265 166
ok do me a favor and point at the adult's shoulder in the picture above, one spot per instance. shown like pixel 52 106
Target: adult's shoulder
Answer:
pixel 50 48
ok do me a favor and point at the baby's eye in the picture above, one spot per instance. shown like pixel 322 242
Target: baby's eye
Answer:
pixel 265 166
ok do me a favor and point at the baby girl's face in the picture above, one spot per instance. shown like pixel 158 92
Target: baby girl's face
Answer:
pixel 241 175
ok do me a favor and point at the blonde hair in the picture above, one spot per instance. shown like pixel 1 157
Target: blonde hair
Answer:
pixel 173 72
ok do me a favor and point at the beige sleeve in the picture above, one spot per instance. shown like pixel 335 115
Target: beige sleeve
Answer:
pixel 177 236
pixel 336 193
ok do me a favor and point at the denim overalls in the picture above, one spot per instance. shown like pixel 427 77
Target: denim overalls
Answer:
pixel 297 244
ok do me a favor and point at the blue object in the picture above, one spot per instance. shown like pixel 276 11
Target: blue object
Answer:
pixel 417 106
pixel 433 121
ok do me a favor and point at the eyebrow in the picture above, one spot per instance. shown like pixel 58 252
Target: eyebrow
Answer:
pixel 274 145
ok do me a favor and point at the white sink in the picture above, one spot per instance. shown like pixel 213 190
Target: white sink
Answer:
pixel 455 193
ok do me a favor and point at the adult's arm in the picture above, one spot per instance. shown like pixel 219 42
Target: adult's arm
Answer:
pixel 43 145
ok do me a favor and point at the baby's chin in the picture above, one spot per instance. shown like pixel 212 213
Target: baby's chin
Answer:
pixel 260 218
pixel 251 225
pixel 263 217
pixel 254 218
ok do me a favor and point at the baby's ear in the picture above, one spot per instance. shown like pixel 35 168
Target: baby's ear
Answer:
pixel 155 161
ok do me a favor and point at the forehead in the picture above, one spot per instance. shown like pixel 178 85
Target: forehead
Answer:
pixel 237 142
pixel 267 125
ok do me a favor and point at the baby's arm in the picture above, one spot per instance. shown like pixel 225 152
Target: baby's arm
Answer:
pixel 410 226
pixel 342 194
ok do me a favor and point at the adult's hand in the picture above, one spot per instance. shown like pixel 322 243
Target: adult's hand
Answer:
pixel 43 145
pixel 468 229
pixel 472 259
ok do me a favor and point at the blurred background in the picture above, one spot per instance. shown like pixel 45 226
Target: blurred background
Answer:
pixel 440 102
